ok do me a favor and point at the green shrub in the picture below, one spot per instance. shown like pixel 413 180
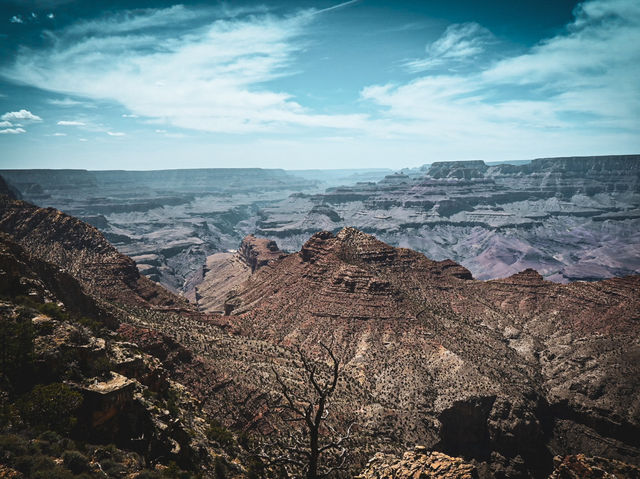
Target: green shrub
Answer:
pixel 76 462
pixel 220 468
pixel 56 472
pixel 50 407
pixel 113 468
pixel 216 432
pixel 147 474
pixel 12 445
pixel 94 325
pixel 16 352
pixel 31 464
pixel 53 311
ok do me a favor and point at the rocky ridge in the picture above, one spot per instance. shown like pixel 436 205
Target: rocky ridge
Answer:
pixel 83 252
pixel 503 372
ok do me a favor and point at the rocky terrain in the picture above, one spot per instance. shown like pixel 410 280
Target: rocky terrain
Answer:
pixel 499 375
pixel 568 218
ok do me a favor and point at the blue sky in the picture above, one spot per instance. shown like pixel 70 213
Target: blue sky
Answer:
pixel 314 84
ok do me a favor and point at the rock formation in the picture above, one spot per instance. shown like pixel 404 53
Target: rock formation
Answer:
pixel 418 463
pixel 224 272
pixel 81 251
pixel 507 372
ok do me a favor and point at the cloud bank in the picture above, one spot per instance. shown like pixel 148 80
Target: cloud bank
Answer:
pixel 169 65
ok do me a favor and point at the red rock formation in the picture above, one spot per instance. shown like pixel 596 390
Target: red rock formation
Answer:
pixel 258 252
pixel 497 365
pixel 82 251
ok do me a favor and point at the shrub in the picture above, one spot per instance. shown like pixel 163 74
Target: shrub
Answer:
pixel 31 464
pixel 12 445
pixel 220 468
pixel 16 344
pixel 113 468
pixel 53 311
pixel 94 325
pixel 56 472
pixel 76 462
pixel 50 407
pixel 147 474
pixel 216 432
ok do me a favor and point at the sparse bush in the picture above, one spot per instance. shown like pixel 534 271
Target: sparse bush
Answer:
pixel 76 462
pixel 220 468
pixel 50 407
pixel 94 325
pixel 53 311
pixel 216 432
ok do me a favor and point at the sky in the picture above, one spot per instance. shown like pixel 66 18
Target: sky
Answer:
pixel 140 84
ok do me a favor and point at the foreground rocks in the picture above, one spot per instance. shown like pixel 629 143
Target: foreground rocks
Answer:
pixel 418 464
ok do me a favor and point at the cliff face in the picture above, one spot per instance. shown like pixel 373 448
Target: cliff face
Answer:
pixel 81 251
pixel 504 371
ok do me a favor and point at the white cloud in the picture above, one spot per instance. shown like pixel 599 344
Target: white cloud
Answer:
pixel 115 133
pixel 20 115
pixel 66 102
pixel 5 124
pixel 575 92
pixel 459 43
pixel 16 19
pixel 208 77
pixel 12 131
pixel 70 123
pixel 51 16
pixel 129 116
pixel 59 134
pixel 82 139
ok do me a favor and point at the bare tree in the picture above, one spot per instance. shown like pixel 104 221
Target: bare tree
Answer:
pixel 320 451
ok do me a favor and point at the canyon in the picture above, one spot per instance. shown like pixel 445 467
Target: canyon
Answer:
pixel 575 218
pixel 493 377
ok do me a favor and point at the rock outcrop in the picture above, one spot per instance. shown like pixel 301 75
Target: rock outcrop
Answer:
pixel 582 467
pixel 224 272
pixel 419 464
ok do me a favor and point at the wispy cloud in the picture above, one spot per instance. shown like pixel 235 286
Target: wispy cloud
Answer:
pixel 59 134
pixel 459 43
pixel 71 123
pixel 577 91
pixel 24 115
pixel 67 102
pixel 12 131
pixel 16 19
pixel 115 133
pixel 5 124
pixel 169 64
